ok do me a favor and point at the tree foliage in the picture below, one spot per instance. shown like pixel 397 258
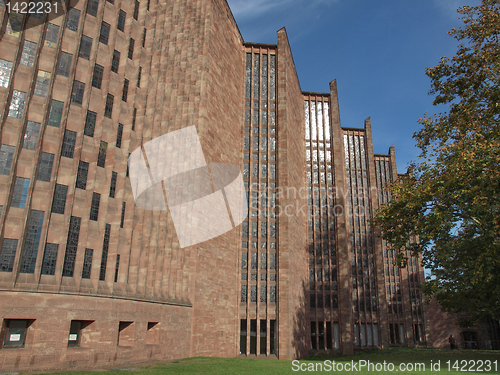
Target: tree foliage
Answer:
pixel 450 199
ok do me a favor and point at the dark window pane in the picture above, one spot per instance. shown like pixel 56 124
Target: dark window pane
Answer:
pixel 29 53
pixel 51 35
pixel 31 135
pixel 64 64
pixel 101 158
pixel 59 202
pixel 20 192
pixel 77 94
pixel 73 19
pixel 104 258
pixel 108 109
pixel 136 9
pixel 115 61
pixel 139 77
pixel 55 115
pixel 122 219
pixel 6 155
pixel 119 136
pixel 112 185
pixel 81 177
pixel 85 47
pixel 45 169
pixel 117 267
pixel 71 246
pixel 104 34
pixel 92 7
pixel 94 208
pixel 68 146
pixel 131 48
pixel 32 242
pixel 8 254
pixel 144 37
pixel 90 124
pixel 121 20
pixel 125 90
pixel 87 263
pixel 50 259
pixel 134 116
pixel 97 77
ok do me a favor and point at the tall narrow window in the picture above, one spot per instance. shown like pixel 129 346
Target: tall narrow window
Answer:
pixel 85 47
pixel 31 135
pixel 81 177
pixel 55 114
pixel 94 207
pixel 29 53
pixel 139 77
pixel 144 37
pixel 105 247
pixel 112 185
pixel 90 121
pixel 20 193
pixel 134 116
pixel 50 259
pixel 8 254
pixel 16 108
pixel 122 218
pixel 136 10
pixel 115 61
pixel 263 336
pixel 125 90
pixel 253 336
pixel 71 246
pixel 5 70
pixel 6 156
pixel 121 20
pixel 59 201
pixel 119 135
pixel 68 146
pixel 45 168
pixel 131 48
pixel 104 33
pixel 42 83
pixel 73 19
pixel 87 263
pixel 108 109
pixel 64 64
pixel 243 336
pixel 92 7
pixel 117 268
pixel 77 93
pixel 97 77
pixel 101 157
pixel 32 242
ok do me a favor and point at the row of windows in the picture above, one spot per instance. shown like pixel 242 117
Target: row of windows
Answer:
pixel 263 293
pixel 16 331
pixel 325 335
pixel 266 331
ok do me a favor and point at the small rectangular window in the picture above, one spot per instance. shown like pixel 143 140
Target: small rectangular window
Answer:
pixel 131 48
pixel 71 246
pixel 64 64
pixel 112 185
pixel 136 10
pixel 119 135
pixel 101 157
pixel 87 263
pixel 122 218
pixel 28 54
pixel 50 259
pixel 85 47
pixel 42 83
pixel 104 34
pixel 55 114
pixel 76 328
pixel 97 77
pixel 5 70
pixel 32 241
pixel 134 116
pixel 15 332
pixel 139 77
pixel 31 135
pixel 51 35
pixel 92 7
pixel 126 334
pixel 8 254
pixel 108 109
pixel 45 168
pixel 90 121
pixel 73 19
pixel 78 91
pixel 94 208
pixel 20 193
pixel 68 146
pixel 6 155
pixel 59 201
pixel 81 177
pixel 125 90
pixel 121 20
pixel 115 61
pixel 16 108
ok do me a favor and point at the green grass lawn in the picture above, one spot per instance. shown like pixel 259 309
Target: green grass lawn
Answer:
pixel 459 361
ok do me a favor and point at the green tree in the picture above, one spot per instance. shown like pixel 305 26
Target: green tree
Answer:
pixel 450 199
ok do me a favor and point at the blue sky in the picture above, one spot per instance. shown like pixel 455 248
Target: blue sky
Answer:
pixel 376 50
